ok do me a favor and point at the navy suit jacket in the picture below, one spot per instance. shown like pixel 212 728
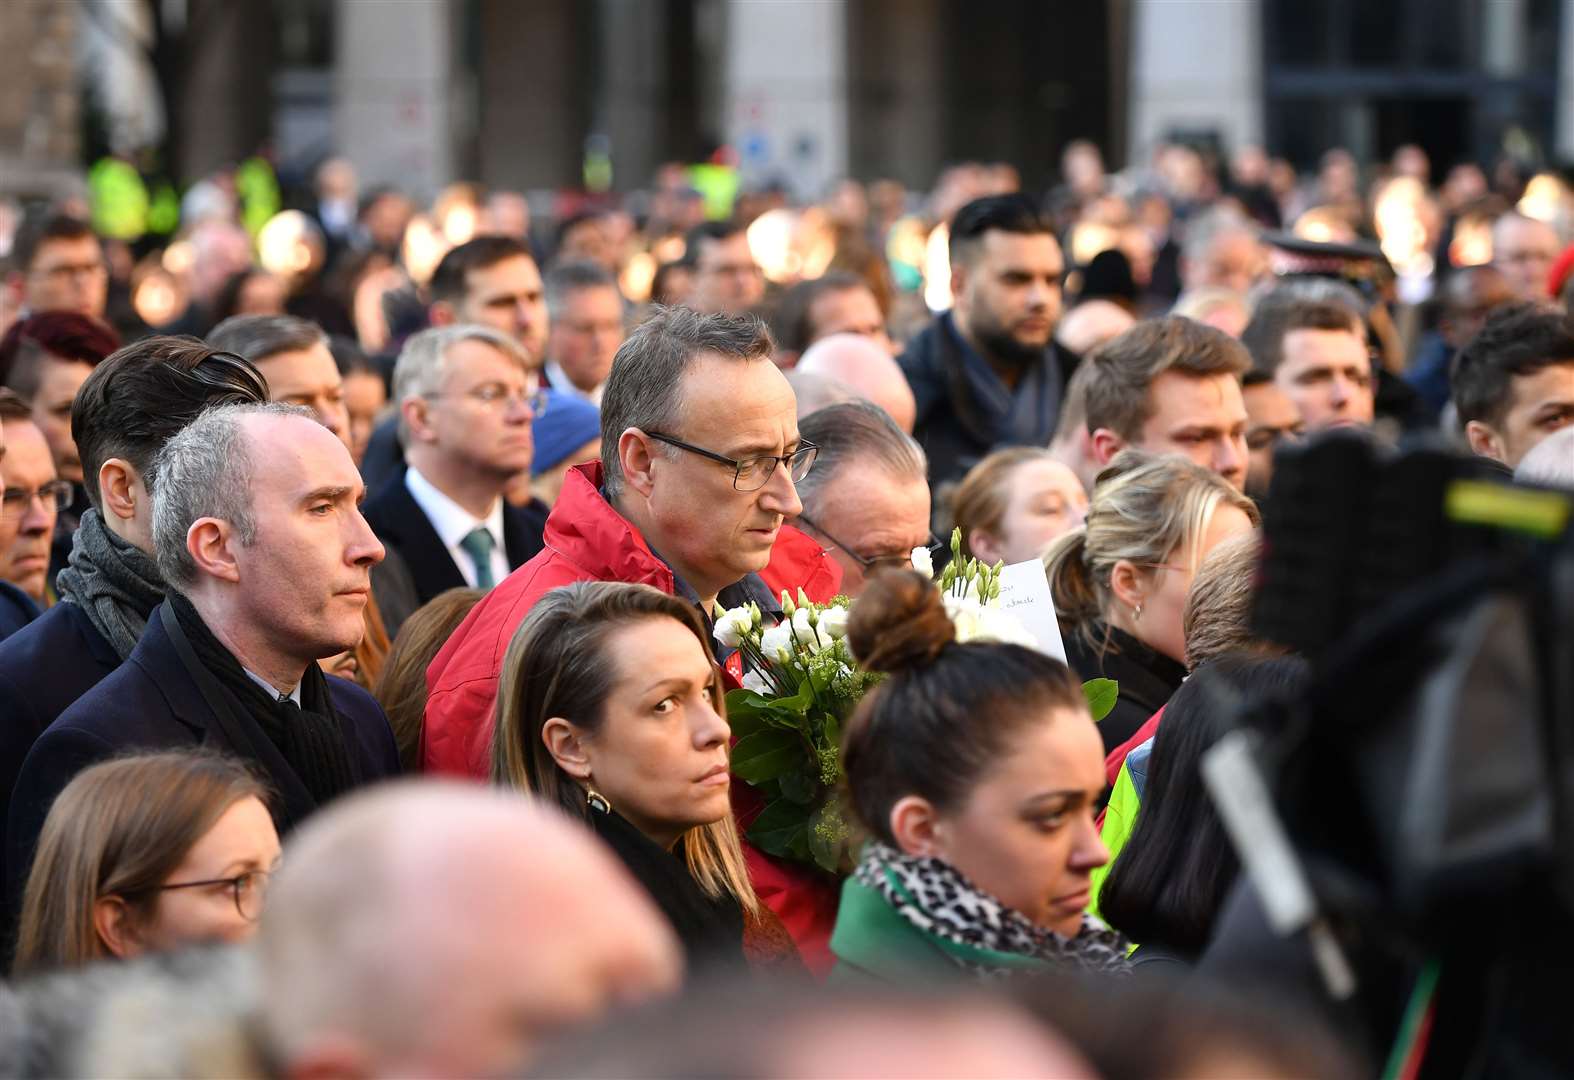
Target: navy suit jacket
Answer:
pixel 44 668
pixel 401 524
pixel 152 702
pixel 17 609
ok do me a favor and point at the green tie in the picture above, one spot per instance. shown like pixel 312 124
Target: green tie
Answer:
pixel 478 545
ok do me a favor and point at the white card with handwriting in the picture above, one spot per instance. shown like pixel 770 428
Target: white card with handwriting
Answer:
pixel 1024 592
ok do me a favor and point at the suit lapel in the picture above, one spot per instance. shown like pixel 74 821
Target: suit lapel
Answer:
pixel 399 520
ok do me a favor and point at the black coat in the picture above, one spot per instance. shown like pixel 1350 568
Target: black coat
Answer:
pixel 950 424
pixel 1147 679
pixel 400 523
pixel 44 668
pixel 154 702
pixel 384 457
pixel 17 609
pixel 710 930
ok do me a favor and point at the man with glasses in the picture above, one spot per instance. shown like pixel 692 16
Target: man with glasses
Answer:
pixel 466 406
pixel 700 455
pixel 17 609
pixel 867 499
pixel 59 266
pixel 34 494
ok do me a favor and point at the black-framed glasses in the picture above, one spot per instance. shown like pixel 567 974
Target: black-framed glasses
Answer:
pixel 55 495
pixel 247 889
pixel 868 564
pixel 751 474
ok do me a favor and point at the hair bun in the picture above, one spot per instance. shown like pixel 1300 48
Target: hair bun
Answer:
pixel 899 622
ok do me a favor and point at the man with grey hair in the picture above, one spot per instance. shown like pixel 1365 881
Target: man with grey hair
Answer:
pixel 858 363
pixel 266 561
pixel 465 409
pixel 440 929
pixel 585 311
pixel 867 499
pixel 700 455
pixel 293 356
pixel 1222 248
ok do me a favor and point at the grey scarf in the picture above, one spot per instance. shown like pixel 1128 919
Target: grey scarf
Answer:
pixel 114 583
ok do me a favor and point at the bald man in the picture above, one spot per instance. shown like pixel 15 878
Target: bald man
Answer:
pixel 1470 295
pixel 1092 323
pixel 438 929
pixel 858 363
pixel 1524 249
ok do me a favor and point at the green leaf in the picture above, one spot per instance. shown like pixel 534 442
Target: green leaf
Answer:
pixel 798 787
pixel 774 829
pixel 827 836
pixel 1101 695
pixel 766 755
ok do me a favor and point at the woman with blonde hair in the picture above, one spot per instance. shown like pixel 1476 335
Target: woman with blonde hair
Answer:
pixel 144 854
pixel 1015 503
pixel 1120 581
pixel 610 706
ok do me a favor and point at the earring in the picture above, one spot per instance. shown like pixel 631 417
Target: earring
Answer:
pixel 1136 612
pixel 597 801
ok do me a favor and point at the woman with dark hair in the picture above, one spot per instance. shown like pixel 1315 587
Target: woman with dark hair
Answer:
pixel 610 706
pixel 147 853
pixel 1174 873
pixel 975 769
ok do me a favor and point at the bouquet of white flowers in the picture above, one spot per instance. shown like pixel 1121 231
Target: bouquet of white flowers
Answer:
pixel 801 685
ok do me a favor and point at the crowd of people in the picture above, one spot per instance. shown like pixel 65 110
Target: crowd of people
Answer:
pixel 362 701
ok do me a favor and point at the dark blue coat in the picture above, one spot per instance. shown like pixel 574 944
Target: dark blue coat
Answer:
pixel 44 668
pixel 17 609
pixel 152 702
pixel 401 524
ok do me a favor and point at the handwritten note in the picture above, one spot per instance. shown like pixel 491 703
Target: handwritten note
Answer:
pixel 1024 592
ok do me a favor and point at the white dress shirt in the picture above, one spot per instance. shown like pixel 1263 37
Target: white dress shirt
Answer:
pixel 273 691
pixel 453 523
pixel 564 385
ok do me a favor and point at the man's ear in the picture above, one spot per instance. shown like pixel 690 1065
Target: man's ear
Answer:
pixel 1484 441
pixel 915 826
pixel 118 484
pixel 116 926
pixel 416 414
pixel 635 456
pixel 211 544
pixel 1105 445
pixel 566 744
pixel 442 313
pixel 1129 584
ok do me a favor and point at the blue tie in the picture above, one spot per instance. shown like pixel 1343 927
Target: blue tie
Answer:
pixel 478 545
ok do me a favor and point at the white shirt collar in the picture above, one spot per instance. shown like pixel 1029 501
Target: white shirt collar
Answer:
pixel 564 385
pixel 450 521
pixel 273 691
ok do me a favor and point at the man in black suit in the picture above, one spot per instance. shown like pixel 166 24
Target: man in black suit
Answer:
pixel 122 416
pixel 465 406
pixel 267 562
pixel 294 358
pixel 489 281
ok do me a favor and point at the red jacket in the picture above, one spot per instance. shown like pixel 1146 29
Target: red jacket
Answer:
pixel 587 540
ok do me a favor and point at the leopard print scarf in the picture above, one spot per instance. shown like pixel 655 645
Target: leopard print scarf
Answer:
pixel 938 900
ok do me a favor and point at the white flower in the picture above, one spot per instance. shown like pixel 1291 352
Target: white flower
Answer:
pixel 754 681
pixel 964 614
pixel 833 621
pixel 997 625
pixel 733 626
pixel 923 562
pixel 776 639
pixel 803 621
